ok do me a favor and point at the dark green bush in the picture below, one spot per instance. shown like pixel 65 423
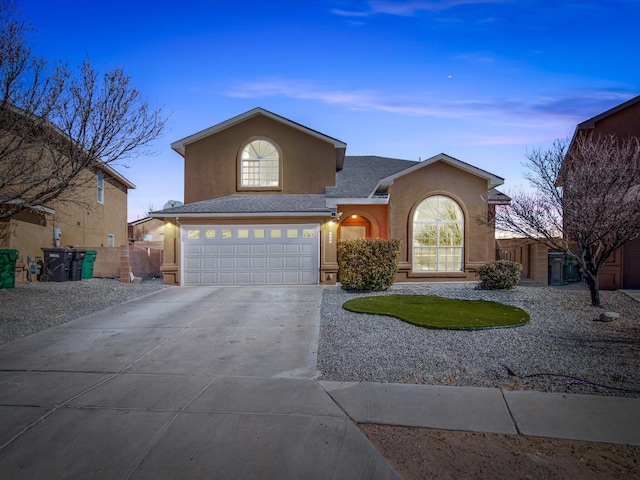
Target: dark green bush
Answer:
pixel 368 264
pixel 500 274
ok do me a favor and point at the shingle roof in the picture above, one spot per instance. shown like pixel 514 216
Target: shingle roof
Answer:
pixel 360 175
pixel 242 204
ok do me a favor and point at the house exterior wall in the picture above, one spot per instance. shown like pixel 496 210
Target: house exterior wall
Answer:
pixel 84 223
pixel 211 163
pixel 622 124
pixel 467 190
pixel 153 227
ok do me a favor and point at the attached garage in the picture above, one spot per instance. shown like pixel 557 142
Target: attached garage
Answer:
pixel 250 254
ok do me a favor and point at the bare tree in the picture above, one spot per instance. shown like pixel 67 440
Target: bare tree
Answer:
pixel 56 123
pixel 585 201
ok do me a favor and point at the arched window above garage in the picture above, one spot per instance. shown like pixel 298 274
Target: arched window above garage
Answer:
pixel 260 165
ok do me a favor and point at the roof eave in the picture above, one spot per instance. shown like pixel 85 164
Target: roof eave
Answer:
pixel 235 215
pixel 179 145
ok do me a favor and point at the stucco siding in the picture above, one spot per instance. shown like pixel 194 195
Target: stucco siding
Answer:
pixel 211 163
pixel 440 178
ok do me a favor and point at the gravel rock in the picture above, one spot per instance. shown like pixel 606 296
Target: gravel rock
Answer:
pixel 564 348
pixel 31 307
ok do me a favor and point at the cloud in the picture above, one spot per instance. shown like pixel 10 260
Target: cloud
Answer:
pixel 531 112
pixel 408 8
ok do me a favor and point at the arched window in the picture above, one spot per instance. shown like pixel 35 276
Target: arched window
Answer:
pixel 260 165
pixel 438 236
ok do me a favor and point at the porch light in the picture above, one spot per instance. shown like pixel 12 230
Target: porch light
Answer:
pixel 354 216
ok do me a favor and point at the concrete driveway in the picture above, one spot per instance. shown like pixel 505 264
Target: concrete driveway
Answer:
pixel 183 383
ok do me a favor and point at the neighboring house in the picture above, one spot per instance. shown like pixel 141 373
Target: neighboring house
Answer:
pixel 146 229
pixel 267 200
pixel 97 217
pixel 622 269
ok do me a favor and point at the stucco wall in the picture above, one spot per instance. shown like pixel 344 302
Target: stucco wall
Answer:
pixel 468 190
pixel 211 164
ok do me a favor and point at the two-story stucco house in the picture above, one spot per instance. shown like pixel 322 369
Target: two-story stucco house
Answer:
pixel 267 200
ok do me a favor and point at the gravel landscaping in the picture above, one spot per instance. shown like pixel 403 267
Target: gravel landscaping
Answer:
pixel 563 339
pixel 31 307
pixel 564 346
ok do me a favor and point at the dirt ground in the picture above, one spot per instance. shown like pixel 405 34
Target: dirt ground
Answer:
pixel 421 453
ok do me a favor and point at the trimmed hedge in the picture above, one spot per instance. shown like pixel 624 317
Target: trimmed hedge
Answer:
pixel 500 274
pixel 368 264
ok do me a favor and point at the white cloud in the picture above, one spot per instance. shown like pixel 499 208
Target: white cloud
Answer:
pixel 408 8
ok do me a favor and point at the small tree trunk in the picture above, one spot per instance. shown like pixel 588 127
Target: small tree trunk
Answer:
pixel 594 289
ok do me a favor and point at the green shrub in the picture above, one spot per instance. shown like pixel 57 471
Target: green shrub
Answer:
pixel 501 274
pixel 368 264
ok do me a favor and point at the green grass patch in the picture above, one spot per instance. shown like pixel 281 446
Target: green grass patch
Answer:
pixel 436 312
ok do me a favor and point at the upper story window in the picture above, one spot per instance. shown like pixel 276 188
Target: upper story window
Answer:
pixel 100 188
pixel 260 165
pixel 438 236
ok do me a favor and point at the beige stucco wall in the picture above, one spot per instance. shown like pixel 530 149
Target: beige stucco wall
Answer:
pixel 84 222
pixel 211 164
pixel 468 190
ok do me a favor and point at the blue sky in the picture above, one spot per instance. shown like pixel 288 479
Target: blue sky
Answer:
pixel 484 81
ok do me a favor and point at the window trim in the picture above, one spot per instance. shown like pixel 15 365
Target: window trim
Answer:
pixel 111 240
pixel 100 188
pixel 245 188
pixel 462 248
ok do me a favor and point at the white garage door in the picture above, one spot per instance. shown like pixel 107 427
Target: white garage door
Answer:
pixel 250 254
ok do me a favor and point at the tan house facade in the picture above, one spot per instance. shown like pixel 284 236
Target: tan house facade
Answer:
pixel 622 269
pixel 96 216
pixel 267 200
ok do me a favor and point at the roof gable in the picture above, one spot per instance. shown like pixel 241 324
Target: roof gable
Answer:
pixel 179 146
pixel 591 123
pixel 492 180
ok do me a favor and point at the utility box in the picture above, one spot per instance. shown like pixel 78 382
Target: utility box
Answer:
pixel 8 258
pixel 557 269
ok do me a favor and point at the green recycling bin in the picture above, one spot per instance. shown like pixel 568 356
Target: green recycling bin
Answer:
pixel 8 259
pixel 87 264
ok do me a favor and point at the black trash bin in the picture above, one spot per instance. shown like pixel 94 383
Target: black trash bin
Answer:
pixel 57 262
pixel 75 267
pixel 8 259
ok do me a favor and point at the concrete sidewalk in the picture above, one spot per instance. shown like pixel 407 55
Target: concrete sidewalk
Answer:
pixel 220 383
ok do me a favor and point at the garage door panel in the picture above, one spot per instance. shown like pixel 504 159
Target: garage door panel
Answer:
pixel 193 250
pixel 259 263
pixel 226 249
pixel 193 263
pixel 291 262
pixel 227 263
pixel 250 254
pixel 210 263
pixel 259 278
pixel 242 263
pixel 259 249
pixel 275 278
pixel 276 263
